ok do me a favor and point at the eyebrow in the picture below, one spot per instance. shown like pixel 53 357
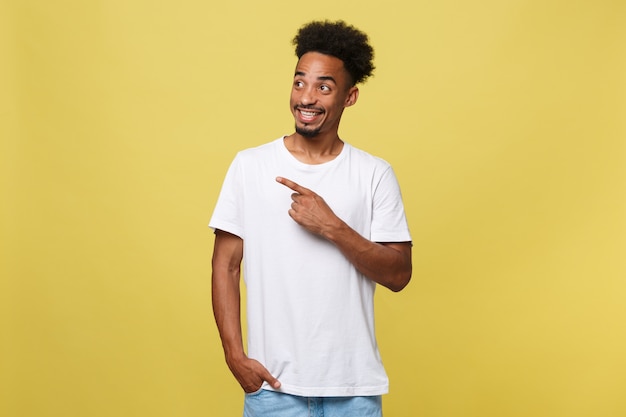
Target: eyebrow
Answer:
pixel 320 78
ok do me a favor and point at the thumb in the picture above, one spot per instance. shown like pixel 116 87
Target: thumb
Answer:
pixel 269 378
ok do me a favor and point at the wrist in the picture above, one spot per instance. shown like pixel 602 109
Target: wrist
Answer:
pixel 234 355
pixel 335 230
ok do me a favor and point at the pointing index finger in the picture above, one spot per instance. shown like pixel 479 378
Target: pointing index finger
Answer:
pixel 294 186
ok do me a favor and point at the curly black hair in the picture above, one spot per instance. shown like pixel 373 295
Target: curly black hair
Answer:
pixel 340 40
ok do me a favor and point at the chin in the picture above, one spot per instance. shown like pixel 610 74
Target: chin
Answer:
pixel 307 133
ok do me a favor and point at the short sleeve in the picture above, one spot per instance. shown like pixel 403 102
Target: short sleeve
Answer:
pixel 389 222
pixel 227 215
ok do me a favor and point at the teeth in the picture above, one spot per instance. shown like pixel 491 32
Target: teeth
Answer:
pixel 308 113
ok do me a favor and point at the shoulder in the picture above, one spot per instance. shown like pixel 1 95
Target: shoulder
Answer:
pixel 257 154
pixel 366 158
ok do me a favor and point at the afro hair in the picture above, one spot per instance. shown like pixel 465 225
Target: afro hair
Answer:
pixel 340 40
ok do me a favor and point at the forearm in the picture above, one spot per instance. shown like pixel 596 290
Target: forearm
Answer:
pixel 226 308
pixel 387 264
pixel 226 293
pixel 227 256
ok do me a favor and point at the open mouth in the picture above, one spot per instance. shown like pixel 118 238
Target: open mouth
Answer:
pixel 307 115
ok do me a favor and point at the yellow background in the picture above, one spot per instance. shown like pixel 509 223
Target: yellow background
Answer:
pixel 505 122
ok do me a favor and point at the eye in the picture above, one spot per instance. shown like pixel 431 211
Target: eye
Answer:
pixel 298 84
pixel 325 88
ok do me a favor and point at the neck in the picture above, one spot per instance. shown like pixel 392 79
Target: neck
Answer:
pixel 315 150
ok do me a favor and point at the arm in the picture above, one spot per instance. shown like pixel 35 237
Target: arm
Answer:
pixel 388 264
pixel 227 256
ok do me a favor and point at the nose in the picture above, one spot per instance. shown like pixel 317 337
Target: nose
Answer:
pixel 308 96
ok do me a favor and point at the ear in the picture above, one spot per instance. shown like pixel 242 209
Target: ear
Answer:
pixel 353 95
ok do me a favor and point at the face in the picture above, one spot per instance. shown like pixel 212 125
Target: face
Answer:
pixel 321 90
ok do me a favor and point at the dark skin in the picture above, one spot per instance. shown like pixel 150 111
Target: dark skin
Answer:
pixel 322 89
pixel 227 256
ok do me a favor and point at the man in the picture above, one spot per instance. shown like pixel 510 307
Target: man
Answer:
pixel 317 223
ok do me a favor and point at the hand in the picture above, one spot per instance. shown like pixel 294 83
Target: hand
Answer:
pixel 251 374
pixel 308 209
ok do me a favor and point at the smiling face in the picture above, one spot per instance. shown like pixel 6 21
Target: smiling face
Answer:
pixel 322 88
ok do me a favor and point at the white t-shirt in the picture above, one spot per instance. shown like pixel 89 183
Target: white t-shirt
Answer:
pixel 310 313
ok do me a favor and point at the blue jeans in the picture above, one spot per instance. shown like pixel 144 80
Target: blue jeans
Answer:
pixel 265 403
